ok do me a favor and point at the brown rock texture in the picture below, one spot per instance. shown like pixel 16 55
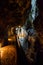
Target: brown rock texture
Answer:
pixel 14 11
pixel 8 55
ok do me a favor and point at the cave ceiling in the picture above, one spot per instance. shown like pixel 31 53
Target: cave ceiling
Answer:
pixel 13 11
